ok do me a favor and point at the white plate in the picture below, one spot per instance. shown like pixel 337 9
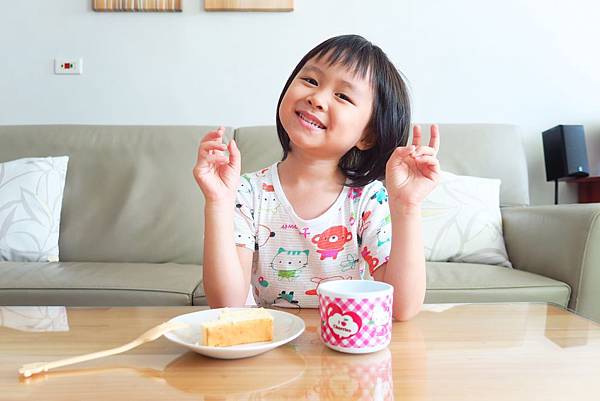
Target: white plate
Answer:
pixel 286 327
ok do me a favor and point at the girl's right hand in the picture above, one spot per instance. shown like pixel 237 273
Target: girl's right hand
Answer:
pixel 217 175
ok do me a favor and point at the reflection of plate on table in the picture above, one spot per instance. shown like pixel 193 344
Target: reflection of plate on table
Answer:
pixel 270 372
pixel 286 327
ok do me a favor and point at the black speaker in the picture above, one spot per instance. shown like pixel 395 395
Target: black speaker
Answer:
pixel 565 152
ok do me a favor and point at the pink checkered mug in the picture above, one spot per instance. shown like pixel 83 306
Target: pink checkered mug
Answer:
pixel 356 315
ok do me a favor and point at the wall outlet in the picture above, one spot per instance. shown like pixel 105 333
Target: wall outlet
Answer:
pixel 68 66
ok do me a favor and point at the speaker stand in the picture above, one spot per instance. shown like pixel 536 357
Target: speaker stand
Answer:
pixel 556 192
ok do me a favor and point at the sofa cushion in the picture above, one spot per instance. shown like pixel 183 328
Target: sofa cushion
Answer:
pixel 31 194
pixel 462 221
pixel 466 282
pixel 98 284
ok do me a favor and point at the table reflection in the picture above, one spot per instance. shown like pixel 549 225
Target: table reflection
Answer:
pixel 355 377
pixel 213 379
pixel 34 318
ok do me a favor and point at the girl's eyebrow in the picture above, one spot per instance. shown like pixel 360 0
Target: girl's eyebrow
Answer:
pixel 314 68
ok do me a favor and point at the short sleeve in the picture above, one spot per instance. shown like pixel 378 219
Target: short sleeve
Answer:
pixel 243 218
pixel 374 230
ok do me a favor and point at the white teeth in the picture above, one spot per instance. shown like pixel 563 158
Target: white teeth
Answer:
pixel 310 122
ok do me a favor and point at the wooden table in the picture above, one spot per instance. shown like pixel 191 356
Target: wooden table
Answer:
pixel 588 189
pixel 449 352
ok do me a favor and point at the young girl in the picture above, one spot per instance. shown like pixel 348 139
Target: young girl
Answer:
pixel 343 120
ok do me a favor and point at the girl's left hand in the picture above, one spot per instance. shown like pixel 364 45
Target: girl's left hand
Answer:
pixel 413 171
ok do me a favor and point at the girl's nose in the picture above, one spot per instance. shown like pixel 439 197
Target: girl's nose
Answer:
pixel 316 102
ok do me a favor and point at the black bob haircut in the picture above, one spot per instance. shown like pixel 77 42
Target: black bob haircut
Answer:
pixel 389 125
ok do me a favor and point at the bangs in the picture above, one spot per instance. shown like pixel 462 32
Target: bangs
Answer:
pixel 356 56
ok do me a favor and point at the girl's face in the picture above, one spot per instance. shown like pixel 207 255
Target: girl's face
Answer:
pixel 326 109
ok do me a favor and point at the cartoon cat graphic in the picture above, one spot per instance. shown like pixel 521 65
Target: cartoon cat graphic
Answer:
pixel 288 263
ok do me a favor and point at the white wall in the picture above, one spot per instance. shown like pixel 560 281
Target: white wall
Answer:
pixel 535 63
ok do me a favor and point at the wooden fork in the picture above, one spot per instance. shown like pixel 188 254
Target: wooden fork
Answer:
pixel 150 335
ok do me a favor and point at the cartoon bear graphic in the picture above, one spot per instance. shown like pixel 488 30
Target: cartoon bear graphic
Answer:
pixel 331 241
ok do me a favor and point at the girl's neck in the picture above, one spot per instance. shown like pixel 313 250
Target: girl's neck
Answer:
pixel 299 170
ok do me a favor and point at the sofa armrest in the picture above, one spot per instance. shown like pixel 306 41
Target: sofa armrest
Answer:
pixel 561 242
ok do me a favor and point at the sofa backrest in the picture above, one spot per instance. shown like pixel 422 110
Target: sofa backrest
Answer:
pixel 482 150
pixel 130 195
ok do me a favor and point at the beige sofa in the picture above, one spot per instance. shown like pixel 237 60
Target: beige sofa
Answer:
pixel 132 220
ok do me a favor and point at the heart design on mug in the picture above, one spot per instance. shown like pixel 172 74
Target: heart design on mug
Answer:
pixel 342 324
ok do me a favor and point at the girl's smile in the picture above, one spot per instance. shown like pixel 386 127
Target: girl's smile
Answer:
pixel 310 121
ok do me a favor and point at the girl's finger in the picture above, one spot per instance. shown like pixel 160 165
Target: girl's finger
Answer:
pixel 403 151
pixel 235 159
pixel 416 135
pixel 208 148
pixel 434 139
pixel 429 161
pixel 212 135
pixel 219 159
pixel 424 150
pixel 213 144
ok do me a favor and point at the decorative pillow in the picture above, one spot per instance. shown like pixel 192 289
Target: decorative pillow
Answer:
pixel 31 193
pixel 462 221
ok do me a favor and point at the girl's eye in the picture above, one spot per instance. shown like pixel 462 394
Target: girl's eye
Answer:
pixel 309 80
pixel 344 97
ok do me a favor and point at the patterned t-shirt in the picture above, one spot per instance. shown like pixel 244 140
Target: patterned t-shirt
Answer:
pixel 292 256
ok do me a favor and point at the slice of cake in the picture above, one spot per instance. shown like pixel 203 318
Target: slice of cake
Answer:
pixel 238 327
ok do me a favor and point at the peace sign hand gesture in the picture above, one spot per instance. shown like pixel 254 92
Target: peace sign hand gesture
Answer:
pixel 413 171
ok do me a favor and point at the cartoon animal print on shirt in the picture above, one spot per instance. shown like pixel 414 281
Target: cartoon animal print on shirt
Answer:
pixel 383 234
pixel 362 225
pixel 355 193
pixel 331 241
pixel 381 196
pixel 352 219
pixel 269 202
pixel 245 186
pixel 262 172
pixel 319 280
pixel 239 239
pixel 371 261
pixel 286 298
pixel 264 233
pixel 288 263
pixel 268 187
pixel 348 263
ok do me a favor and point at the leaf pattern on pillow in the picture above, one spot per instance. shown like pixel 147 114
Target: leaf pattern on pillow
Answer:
pixel 462 221
pixel 31 193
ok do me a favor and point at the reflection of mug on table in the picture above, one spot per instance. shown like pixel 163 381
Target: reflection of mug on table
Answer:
pixel 356 315
pixel 360 377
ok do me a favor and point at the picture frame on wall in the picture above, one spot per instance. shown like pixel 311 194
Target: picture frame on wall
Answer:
pixel 249 5
pixel 137 5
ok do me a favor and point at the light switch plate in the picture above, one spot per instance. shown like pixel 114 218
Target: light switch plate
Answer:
pixel 68 66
